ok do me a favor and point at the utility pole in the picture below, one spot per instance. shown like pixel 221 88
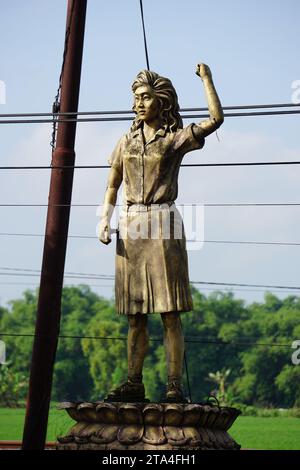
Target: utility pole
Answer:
pixel 57 225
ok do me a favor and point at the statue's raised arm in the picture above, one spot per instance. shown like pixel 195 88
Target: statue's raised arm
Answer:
pixel 216 117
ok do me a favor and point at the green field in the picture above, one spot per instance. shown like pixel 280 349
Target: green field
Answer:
pixel 267 433
pixel 250 432
pixel 12 421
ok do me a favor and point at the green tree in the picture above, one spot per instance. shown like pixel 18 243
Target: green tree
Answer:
pixel 12 386
pixel 221 333
pixel 71 379
pixel 206 335
pixel 107 358
pixel 287 382
pixel 19 319
pixel 272 325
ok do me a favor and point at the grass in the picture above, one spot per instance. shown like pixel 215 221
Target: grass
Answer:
pixel 251 432
pixel 12 421
pixel 267 433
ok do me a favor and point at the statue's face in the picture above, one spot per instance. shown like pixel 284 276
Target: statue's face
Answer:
pixel 146 104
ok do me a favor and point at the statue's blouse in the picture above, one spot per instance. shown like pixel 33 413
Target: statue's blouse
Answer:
pixel 150 169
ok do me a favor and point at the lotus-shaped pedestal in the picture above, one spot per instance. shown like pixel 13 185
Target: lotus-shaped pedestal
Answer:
pixel 149 426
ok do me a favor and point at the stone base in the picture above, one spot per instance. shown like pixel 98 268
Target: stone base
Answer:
pixel 148 426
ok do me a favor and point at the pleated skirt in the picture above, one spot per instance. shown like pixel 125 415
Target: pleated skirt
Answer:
pixel 151 262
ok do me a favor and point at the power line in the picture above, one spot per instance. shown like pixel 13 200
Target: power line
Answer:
pixel 208 289
pixel 112 285
pixel 245 106
pixel 233 204
pixel 249 204
pixel 241 242
pixel 244 285
pixel 112 338
pixel 86 167
pixel 70 276
pixel 93 276
pixel 222 242
pixel 144 34
pixel 76 275
pixel 108 276
pixel 130 112
pixel 129 118
pixel 65 285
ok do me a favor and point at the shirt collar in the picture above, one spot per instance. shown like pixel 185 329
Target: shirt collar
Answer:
pixel 160 132
pixel 136 132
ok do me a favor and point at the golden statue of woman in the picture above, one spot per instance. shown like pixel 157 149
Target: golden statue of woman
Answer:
pixel 152 270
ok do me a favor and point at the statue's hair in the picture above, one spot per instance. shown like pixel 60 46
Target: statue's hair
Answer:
pixel 167 97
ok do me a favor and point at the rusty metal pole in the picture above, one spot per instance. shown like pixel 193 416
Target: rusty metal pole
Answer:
pixel 60 193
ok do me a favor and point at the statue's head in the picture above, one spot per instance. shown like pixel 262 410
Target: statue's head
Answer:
pixel 163 97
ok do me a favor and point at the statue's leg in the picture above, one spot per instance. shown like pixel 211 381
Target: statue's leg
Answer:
pixel 133 389
pixel 174 346
pixel 137 345
pixel 174 343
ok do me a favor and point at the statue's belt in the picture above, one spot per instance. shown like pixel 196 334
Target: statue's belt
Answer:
pixel 147 207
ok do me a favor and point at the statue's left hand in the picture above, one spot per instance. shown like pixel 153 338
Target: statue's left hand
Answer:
pixel 203 71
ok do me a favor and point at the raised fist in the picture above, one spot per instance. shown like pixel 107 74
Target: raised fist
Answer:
pixel 203 71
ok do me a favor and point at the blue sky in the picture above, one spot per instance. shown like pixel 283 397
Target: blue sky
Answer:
pixel 252 48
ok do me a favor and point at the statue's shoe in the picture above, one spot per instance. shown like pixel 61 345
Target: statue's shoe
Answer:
pixel 174 393
pixel 128 392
